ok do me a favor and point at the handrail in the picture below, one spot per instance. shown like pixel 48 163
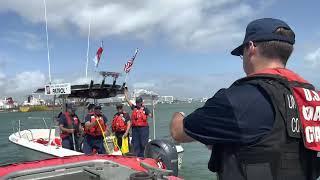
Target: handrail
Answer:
pixel 49 135
pixel 13 130
pixel 19 128
pixel 31 134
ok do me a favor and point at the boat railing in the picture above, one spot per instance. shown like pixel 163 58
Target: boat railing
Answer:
pixel 56 128
pixel 32 139
pixel 17 127
pixel 46 125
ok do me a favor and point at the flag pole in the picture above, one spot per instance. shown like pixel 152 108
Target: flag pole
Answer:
pixel 88 47
pixel 45 17
pixel 153 118
pixel 125 80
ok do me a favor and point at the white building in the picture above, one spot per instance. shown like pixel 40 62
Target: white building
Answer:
pixel 33 101
pixel 7 103
pixel 166 99
pixel 147 96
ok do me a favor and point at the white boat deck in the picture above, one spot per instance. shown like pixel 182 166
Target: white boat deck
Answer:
pixel 38 141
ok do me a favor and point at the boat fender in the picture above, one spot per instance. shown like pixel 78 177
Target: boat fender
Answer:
pixel 165 152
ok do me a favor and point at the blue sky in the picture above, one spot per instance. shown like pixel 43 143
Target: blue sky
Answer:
pixel 184 45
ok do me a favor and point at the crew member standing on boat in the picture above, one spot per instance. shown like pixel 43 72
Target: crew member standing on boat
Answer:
pixel 264 126
pixel 90 111
pixel 70 128
pixel 139 123
pixel 121 124
pixel 95 127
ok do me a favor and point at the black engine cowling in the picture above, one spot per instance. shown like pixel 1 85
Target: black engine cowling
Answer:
pixel 165 151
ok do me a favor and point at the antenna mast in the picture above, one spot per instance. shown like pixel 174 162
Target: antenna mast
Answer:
pixel 45 17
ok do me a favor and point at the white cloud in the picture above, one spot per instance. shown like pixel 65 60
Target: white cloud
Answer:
pixel 143 85
pixel 195 24
pixel 187 86
pixel 21 84
pixel 26 81
pixel 26 40
pixel 81 80
pixel 313 58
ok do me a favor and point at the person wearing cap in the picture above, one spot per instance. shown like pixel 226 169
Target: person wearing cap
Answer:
pixel 259 127
pixel 95 127
pixel 121 124
pixel 139 123
pixel 70 128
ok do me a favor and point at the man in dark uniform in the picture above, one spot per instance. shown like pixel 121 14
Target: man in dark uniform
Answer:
pixel 95 127
pixel 139 123
pixel 256 127
pixel 70 128
pixel 121 124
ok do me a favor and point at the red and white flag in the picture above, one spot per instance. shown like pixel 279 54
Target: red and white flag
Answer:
pixel 128 65
pixel 97 58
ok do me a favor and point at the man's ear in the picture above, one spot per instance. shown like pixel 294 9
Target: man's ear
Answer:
pixel 252 48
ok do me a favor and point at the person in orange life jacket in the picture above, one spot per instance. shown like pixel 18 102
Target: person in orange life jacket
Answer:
pixel 93 132
pixel 252 127
pixel 139 123
pixel 69 124
pixel 121 124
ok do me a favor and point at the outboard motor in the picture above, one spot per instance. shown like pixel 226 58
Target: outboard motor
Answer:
pixel 165 151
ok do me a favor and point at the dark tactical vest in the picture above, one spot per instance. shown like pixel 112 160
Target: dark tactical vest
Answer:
pixel 280 155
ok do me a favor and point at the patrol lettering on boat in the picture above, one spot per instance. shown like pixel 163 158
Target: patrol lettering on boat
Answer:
pixel 312 134
pixel 311 113
pixel 58 90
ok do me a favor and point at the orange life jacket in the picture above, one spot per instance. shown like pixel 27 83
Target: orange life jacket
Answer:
pixel 119 123
pixel 71 124
pixel 139 117
pixel 96 130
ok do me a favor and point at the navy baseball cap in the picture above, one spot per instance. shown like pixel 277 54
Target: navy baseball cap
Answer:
pixel 119 106
pixel 91 106
pixel 97 107
pixel 139 100
pixel 263 30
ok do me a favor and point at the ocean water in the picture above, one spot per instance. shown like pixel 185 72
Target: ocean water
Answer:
pixel 195 157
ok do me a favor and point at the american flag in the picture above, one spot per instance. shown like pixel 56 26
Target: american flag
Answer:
pixel 128 65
